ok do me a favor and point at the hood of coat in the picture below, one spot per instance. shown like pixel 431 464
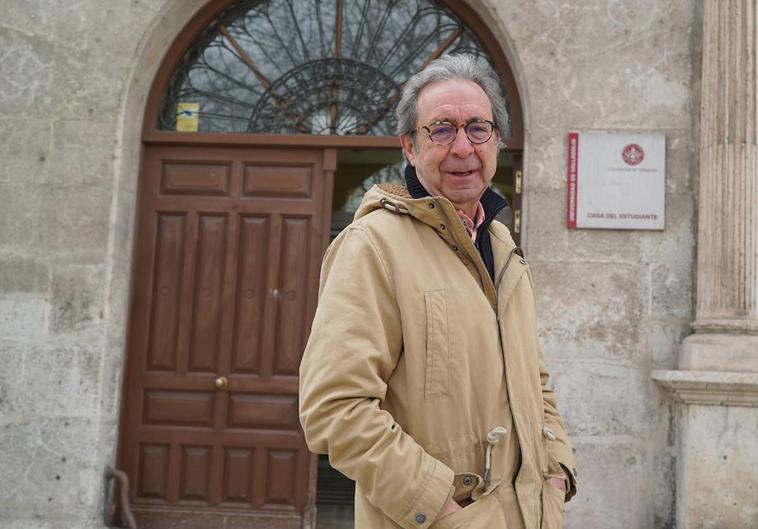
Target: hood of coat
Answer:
pixel 397 199
pixel 433 211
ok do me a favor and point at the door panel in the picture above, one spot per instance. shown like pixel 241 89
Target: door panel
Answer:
pixel 229 242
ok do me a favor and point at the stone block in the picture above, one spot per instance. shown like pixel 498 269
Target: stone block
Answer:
pixel 589 310
pixel 19 274
pixel 82 153
pixel 671 290
pixel 12 383
pixel 614 488
pixel 46 524
pixel 23 316
pixel 28 64
pixel 717 485
pixel 123 224
pixel 74 220
pixel 85 24
pixel 112 375
pixel 92 84
pixel 664 338
pixel 43 459
pixel 548 170
pixel 720 352
pixel 675 245
pixel 600 399
pixel 623 57
pixel 19 217
pixel 548 238
pixel 681 162
pixel 76 298
pixel 24 149
pixel 73 78
pixel 61 379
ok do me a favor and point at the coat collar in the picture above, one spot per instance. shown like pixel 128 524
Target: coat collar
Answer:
pixel 491 202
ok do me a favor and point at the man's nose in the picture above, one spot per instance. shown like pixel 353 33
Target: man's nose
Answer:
pixel 461 145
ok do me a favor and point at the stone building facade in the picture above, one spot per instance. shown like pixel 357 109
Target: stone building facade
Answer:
pixel 650 336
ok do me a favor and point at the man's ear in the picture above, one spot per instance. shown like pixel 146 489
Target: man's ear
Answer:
pixel 407 142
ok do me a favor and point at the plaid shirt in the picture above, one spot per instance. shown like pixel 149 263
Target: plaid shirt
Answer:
pixel 472 226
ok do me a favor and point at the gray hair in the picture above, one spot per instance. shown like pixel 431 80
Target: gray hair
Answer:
pixel 458 66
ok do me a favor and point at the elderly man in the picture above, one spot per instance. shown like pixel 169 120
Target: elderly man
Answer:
pixel 422 378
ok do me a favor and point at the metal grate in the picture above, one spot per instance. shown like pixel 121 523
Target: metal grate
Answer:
pixel 333 488
pixel 309 67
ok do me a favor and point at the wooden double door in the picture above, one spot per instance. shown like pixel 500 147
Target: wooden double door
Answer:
pixel 228 251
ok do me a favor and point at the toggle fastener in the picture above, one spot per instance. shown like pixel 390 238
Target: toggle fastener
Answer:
pixel 493 438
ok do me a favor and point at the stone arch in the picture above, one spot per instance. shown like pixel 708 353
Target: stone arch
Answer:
pixel 158 38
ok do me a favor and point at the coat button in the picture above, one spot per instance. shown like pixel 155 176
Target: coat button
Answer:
pixel 523 261
pixel 442 226
pixel 431 205
pixel 467 480
pixel 455 248
pixel 420 518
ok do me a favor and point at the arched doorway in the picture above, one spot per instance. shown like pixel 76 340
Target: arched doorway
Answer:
pixel 264 123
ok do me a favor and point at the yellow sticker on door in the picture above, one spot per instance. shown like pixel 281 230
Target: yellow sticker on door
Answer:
pixel 187 117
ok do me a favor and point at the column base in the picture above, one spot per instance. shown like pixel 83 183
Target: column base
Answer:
pixel 717 425
pixel 719 352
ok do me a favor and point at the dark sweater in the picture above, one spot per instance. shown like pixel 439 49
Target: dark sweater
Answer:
pixel 491 202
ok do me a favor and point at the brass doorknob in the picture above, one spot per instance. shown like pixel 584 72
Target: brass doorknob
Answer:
pixel 220 383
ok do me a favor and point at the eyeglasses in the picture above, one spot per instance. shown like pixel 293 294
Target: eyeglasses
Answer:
pixel 444 132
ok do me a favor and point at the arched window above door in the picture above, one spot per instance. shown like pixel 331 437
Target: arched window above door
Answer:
pixel 332 67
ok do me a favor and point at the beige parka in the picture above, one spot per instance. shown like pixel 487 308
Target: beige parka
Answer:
pixel 415 356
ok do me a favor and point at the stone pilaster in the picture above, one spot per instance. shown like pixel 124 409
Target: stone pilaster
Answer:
pixel 727 279
pixel 717 380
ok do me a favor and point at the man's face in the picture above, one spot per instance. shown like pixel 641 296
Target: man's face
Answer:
pixel 460 171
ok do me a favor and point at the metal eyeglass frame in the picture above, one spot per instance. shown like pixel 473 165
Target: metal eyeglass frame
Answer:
pixel 464 125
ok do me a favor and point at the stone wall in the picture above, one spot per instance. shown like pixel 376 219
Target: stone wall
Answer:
pixel 613 305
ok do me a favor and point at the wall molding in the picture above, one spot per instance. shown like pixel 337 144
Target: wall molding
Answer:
pixel 710 388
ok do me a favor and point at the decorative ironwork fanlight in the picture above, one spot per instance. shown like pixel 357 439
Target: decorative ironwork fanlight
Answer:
pixel 308 66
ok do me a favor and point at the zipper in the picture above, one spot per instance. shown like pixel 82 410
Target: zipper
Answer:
pixel 505 267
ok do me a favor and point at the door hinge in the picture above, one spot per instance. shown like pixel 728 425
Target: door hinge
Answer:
pixel 517 221
pixel 517 178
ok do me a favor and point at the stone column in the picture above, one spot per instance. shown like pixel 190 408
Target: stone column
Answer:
pixel 717 380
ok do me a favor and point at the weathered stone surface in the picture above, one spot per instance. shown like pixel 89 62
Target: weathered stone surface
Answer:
pixel 622 61
pixel 717 485
pixel 45 459
pixel 82 153
pixel 727 281
pixel 617 488
pixel 12 383
pixel 550 241
pixel 601 399
pixel 720 352
pixel 28 66
pixel 76 297
pixel 592 310
pixel 49 379
pixel 18 274
pixel 23 315
pixel 28 136
pixel 665 336
pixel 612 304
pixel 19 217
pixel 62 381
pixel 73 219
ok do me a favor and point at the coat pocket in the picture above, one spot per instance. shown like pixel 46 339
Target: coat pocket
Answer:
pixel 484 513
pixel 553 500
pixel 437 344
